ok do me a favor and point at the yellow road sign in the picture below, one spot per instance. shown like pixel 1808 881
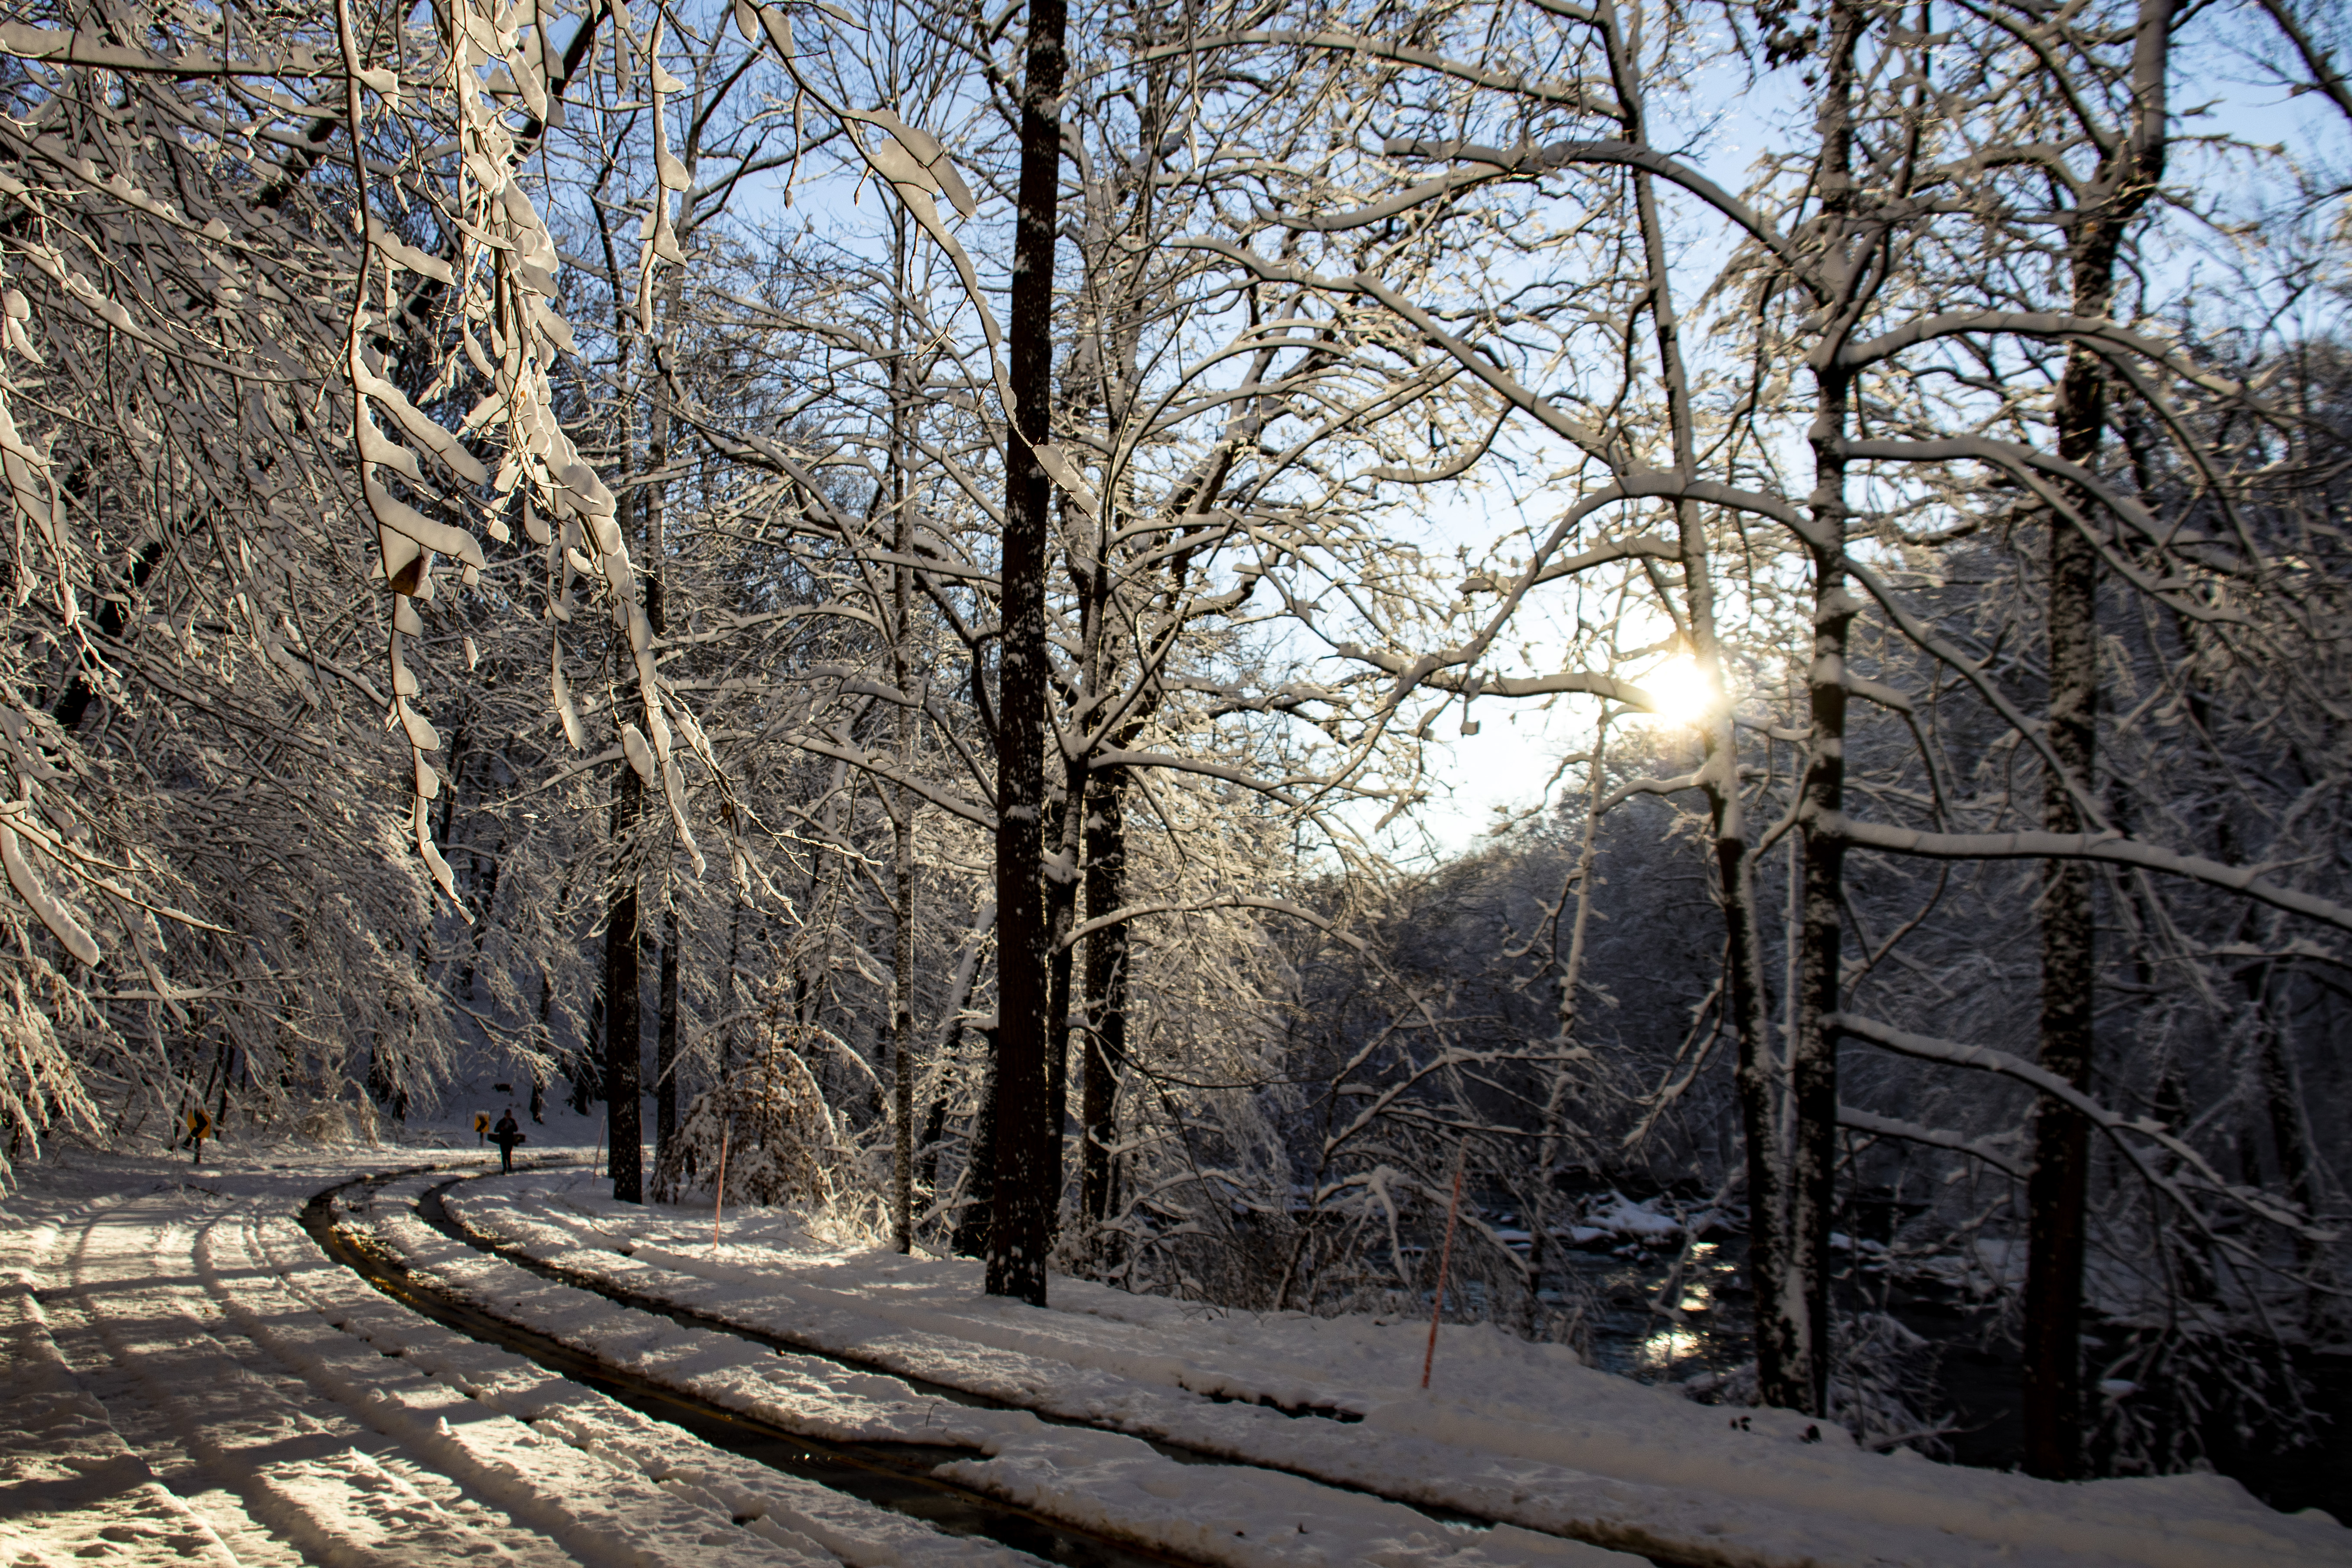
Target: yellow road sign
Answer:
pixel 199 1124
pixel 481 1121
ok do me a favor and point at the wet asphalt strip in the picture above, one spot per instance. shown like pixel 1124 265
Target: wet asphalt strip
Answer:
pixel 894 1476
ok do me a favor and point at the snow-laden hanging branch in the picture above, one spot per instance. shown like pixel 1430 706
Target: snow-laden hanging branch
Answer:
pixel 505 277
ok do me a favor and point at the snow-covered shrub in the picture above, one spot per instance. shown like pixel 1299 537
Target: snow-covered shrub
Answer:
pixel 781 1146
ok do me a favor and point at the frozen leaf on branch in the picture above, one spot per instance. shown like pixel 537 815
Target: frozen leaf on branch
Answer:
pixel 421 732
pixel 408 256
pixel 641 757
pixel 1064 473
pixel 562 694
pixel 556 330
pixel 375 448
pixel 398 518
pixel 779 28
pixel 53 914
pixel 914 156
pixel 419 426
pixel 443 877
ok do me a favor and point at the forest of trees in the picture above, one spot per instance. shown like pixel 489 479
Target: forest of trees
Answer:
pixel 923 557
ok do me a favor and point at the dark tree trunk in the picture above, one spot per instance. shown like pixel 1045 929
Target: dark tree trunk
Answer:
pixel 2057 1191
pixel 588 1061
pixel 665 1040
pixel 1061 918
pixel 1792 1307
pixel 622 1112
pixel 1106 1000
pixel 486 906
pixel 934 1123
pixel 1798 1315
pixel 976 1224
pixel 902 834
pixel 1022 1157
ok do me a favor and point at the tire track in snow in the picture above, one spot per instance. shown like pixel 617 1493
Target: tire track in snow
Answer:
pixel 1236 1516
pixel 304 1467
pixel 787 1509
pixel 1630 1467
pixel 72 1486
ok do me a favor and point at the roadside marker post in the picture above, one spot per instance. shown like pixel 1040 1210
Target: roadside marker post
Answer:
pixel 718 1200
pixel 1444 1262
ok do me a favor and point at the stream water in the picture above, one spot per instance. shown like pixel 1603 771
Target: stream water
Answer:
pixel 1976 1376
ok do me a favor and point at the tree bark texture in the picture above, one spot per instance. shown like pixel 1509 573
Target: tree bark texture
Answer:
pixel 1792 1307
pixel 1761 1103
pixel 902 864
pixel 622 1111
pixel 1106 1002
pixel 666 1038
pixel 975 1223
pixel 1022 1158
pixel 2058 1190
pixel 1061 918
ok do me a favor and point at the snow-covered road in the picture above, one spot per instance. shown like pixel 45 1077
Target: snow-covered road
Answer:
pixel 190 1379
pixel 1511 1432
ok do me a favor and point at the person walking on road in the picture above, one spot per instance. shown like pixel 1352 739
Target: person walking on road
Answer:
pixel 506 1135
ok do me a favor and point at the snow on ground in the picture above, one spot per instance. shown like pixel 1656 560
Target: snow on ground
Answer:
pixel 1509 1431
pixel 191 1380
pixel 1231 1515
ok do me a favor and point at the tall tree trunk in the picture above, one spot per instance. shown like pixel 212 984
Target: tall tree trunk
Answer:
pixel 2057 1191
pixel 1792 1309
pixel 902 840
pixel 976 1224
pixel 944 1051
pixel 622 1111
pixel 727 992
pixel 666 1038
pixel 1106 1000
pixel 487 906
pixel 1754 1078
pixel 1022 1158
pixel 1061 918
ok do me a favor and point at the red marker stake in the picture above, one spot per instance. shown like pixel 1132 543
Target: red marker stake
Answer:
pixel 1444 1262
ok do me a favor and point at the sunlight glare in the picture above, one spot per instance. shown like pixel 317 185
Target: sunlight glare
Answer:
pixel 1684 694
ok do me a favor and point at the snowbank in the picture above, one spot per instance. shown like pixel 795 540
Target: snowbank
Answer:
pixel 1520 1433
